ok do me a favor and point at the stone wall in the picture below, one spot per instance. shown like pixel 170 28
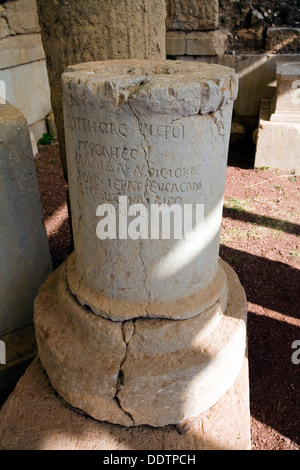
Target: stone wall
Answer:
pixel 212 27
pixel 23 74
pixel 250 37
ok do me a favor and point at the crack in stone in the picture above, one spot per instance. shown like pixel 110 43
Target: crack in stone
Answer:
pixel 146 195
pixel 128 330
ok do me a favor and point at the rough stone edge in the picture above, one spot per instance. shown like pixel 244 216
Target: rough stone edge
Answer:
pixel 120 310
pixel 213 93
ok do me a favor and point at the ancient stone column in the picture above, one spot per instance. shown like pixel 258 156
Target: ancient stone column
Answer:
pixel 140 327
pixel 148 143
pixel 25 260
pixel 75 32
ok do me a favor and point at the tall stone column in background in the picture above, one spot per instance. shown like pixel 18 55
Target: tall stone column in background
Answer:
pixel 74 32
pixel 25 260
pixel 152 329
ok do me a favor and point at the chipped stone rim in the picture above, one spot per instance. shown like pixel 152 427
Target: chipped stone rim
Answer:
pixel 189 88
pixel 120 310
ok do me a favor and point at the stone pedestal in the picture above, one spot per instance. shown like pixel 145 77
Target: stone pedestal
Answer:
pixel 278 137
pixel 140 371
pixel 139 327
pixel 285 105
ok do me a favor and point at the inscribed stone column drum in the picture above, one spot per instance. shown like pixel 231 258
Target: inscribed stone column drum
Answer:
pixel 145 329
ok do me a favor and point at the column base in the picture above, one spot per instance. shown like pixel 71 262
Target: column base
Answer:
pixel 142 371
pixel 35 418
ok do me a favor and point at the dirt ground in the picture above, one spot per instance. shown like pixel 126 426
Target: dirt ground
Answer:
pixel 260 240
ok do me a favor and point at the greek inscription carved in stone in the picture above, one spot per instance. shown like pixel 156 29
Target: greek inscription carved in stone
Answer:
pixel 108 128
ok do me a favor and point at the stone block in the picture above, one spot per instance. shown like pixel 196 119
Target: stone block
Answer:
pixel 24 258
pixel 175 43
pixel 22 16
pixel 27 88
pixel 278 143
pixel 282 40
pixel 18 50
pixel 206 42
pixel 24 79
pixel 45 422
pixel 192 15
pixel 286 102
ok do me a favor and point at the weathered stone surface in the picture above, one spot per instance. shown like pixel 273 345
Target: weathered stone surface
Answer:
pixel 286 101
pixel 280 40
pixel 159 322
pixel 27 87
pixel 154 117
pixel 4 28
pixel 36 418
pixel 80 351
pixel 197 43
pixel 184 366
pixel 144 371
pixel 189 15
pixel 206 42
pixel 18 50
pixel 278 133
pixel 22 16
pixel 24 256
pixel 76 32
pixel 277 143
pixel 24 80
pixel 123 309
pixel 175 43
pixel 256 72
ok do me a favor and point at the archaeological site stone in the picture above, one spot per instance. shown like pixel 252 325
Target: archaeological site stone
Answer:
pixel 141 327
pixel 285 105
pixel 278 134
pixel 74 32
pixel 192 15
pixel 24 252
